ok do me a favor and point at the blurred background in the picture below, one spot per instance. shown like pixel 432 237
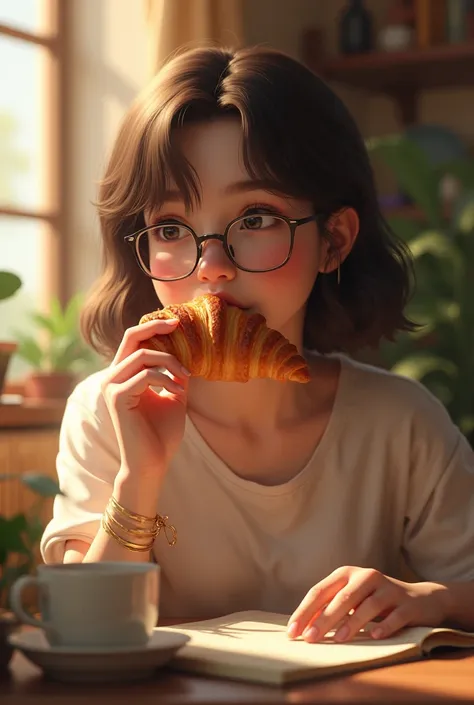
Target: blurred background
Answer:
pixel 69 71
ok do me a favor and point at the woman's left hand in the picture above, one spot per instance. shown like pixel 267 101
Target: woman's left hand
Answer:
pixel 350 597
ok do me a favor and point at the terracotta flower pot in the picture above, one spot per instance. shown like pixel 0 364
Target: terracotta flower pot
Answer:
pixel 6 352
pixel 51 385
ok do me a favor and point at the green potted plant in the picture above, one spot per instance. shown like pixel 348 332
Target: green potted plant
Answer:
pixel 58 355
pixel 19 540
pixel 9 285
pixel 440 353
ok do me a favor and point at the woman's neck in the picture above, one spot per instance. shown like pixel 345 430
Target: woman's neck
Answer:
pixel 262 405
pixel 255 404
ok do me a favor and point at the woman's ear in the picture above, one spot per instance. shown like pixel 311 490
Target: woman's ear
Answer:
pixel 343 228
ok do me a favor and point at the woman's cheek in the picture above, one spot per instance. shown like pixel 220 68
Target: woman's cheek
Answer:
pixel 300 271
pixel 284 291
pixel 176 292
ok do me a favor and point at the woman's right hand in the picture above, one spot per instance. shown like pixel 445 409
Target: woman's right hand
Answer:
pixel 149 425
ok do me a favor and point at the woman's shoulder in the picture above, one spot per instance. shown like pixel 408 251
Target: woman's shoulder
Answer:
pixel 388 389
pixel 390 400
pixel 87 395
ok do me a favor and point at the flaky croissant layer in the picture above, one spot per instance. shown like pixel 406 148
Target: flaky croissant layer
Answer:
pixel 221 342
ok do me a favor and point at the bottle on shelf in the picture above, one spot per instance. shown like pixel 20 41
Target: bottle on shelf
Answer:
pixel 457 16
pixel 356 29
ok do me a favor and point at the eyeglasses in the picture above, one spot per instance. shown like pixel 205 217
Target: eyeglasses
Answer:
pixel 261 242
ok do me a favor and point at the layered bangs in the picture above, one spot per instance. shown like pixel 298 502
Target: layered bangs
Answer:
pixel 150 162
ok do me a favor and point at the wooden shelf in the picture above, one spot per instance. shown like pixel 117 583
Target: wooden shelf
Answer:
pixel 438 67
pixel 31 415
pixel 402 75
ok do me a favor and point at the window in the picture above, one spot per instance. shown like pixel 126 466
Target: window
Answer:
pixel 31 126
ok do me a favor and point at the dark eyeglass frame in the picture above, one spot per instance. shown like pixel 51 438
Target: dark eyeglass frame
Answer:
pixel 293 223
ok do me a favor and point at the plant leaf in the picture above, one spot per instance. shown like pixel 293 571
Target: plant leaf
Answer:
pixel 463 216
pixel 437 244
pixel 11 530
pixel 404 228
pixel 29 350
pixel 9 284
pixel 418 366
pixel 461 169
pixel 41 484
pixel 64 353
pixel 71 314
pixel 34 531
pixel 414 173
pixel 466 424
pixel 43 321
pixel 431 311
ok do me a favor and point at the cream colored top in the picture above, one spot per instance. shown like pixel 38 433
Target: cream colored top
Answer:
pixel 391 474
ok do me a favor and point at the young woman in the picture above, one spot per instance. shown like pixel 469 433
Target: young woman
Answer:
pixel 240 173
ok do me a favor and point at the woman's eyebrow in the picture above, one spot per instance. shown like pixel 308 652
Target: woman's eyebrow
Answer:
pixel 254 185
pixel 175 196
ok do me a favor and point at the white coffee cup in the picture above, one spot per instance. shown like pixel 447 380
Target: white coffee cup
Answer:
pixel 93 605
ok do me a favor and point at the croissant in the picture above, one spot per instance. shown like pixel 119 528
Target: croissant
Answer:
pixel 221 342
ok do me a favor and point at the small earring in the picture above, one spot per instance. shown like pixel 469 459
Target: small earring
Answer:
pixel 338 274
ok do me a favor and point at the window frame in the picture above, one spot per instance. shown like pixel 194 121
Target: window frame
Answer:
pixel 52 37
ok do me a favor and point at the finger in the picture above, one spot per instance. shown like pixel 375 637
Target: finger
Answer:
pixel 398 618
pixel 145 358
pixel 377 603
pixel 127 395
pixel 315 600
pixel 183 382
pixel 349 597
pixel 139 334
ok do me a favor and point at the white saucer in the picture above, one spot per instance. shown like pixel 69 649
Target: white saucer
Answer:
pixel 74 665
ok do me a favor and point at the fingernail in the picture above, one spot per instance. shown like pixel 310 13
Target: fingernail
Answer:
pixel 179 387
pixel 377 632
pixel 185 371
pixel 293 630
pixel 311 634
pixel 171 321
pixel 342 633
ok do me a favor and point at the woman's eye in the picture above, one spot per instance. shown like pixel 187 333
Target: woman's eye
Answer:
pixel 258 221
pixel 169 233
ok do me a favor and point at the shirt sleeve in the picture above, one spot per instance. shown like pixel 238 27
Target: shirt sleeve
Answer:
pixel 439 524
pixel 87 463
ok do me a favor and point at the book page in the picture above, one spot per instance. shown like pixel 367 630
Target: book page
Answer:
pixel 447 637
pixel 255 645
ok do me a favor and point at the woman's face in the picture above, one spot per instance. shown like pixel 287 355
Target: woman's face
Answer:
pixel 214 149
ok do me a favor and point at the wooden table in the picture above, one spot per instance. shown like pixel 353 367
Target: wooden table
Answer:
pixel 443 679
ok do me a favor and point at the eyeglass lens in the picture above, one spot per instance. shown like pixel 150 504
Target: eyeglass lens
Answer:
pixel 256 242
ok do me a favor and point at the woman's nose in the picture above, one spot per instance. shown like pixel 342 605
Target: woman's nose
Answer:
pixel 214 263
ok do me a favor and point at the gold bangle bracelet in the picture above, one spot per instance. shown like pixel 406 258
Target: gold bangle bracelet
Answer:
pixel 168 529
pixel 140 518
pixel 159 522
pixel 143 533
pixel 123 542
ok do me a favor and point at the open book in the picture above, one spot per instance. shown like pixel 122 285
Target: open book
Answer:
pixel 254 646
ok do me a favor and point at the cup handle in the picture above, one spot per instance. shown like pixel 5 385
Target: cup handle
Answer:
pixel 16 592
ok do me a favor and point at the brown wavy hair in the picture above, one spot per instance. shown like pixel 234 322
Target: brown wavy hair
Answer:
pixel 296 132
